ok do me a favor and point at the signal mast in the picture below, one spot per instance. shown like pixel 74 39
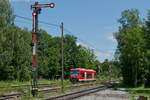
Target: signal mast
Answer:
pixel 36 11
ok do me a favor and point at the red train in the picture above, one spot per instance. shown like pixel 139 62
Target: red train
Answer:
pixel 80 74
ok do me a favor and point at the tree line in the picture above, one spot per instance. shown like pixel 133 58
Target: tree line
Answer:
pixel 133 51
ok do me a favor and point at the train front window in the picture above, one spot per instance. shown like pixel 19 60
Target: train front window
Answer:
pixel 74 72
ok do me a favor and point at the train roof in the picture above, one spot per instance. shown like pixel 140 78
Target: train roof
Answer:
pixel 83 69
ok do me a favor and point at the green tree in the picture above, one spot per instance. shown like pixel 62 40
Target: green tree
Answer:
pixel 110 69
pixel 6 13
pixel 131 44
pixel 49 55
pixel 147 37
pixel 49 51
pixel 15 54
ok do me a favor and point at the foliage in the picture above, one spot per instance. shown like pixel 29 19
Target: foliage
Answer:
pixel 15 54
pixel 14 46
pixel 109 70
pixel 131 47
pixel 6 14
pixel 147 51
pixel 49 51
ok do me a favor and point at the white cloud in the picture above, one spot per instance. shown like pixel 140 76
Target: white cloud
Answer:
pixel 101 55
pixel 105 54
pixel 111 38
pixel 83 44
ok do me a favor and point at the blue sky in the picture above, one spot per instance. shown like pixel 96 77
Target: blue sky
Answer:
pixel 91 21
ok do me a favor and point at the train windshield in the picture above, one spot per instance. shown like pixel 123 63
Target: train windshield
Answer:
pixel 74 72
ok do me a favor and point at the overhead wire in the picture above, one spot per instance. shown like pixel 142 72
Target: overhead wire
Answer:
pixel 29 19
pixel 66 30
pixel 85 42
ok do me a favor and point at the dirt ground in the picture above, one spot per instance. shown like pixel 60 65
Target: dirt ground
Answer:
pixel 108 94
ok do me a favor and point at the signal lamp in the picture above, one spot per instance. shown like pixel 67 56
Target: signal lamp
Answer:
pixel 52 5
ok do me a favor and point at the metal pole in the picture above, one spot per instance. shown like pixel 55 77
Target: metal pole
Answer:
pixel 36 10
pixel 34 56
pixel 62 57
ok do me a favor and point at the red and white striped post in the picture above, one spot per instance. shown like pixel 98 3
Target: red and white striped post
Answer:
pixel 36 10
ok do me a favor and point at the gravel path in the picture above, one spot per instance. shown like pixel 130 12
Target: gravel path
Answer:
pixel 106 95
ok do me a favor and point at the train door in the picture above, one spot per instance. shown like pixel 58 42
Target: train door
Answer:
pixel 85 75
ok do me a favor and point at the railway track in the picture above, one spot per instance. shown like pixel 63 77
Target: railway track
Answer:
pixel 74 95
pixel 50 89
pixel 11 96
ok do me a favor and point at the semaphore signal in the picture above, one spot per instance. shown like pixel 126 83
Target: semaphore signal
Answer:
pixel 36 11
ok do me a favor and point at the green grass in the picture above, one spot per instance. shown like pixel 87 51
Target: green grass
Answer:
pixel 4 84
pixel 139 91
pixel 9 86
pixel 107 78
pixel 135 91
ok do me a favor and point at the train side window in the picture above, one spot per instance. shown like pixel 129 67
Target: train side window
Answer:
pixel 89 75
pixel 82 75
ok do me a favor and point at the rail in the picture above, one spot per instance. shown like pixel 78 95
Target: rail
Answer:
pixel 15 95
pixel 73 95
pixel 47 89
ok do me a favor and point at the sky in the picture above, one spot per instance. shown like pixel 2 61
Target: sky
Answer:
pixel 93 22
